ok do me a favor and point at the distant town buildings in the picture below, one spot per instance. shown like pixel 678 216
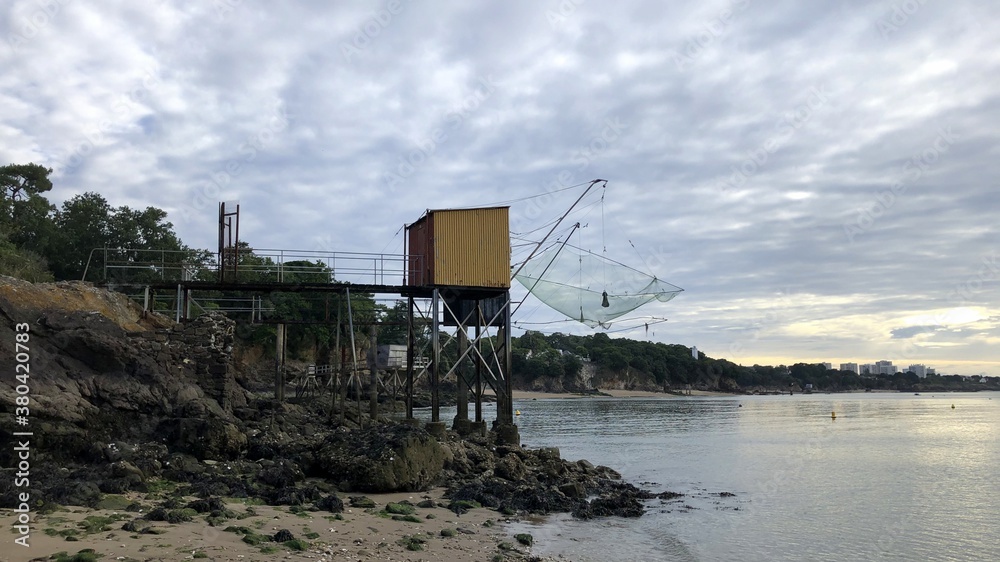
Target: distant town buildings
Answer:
pixel 828 366
pixel 884 367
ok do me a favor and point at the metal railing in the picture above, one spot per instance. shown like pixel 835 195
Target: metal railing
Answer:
pixel 130 265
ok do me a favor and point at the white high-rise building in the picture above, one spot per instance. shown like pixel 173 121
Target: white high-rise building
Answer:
pixel 919 370
pixel 885 368
pixel 852 367
pixel 828 366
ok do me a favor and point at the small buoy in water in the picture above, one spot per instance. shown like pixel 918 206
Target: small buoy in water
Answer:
pixel 952 406
pixel 517 412
pixel 833 415
pixel 741 405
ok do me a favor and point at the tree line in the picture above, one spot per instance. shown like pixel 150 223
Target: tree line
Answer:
pixel 674 367
pixel 40 242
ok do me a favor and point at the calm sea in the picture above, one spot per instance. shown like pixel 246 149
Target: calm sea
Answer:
pixel 893 477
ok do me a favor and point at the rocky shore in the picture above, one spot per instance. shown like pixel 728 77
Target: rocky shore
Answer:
pixel 154 420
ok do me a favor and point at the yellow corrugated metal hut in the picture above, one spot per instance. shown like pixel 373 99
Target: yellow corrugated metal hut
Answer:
pixel 460 248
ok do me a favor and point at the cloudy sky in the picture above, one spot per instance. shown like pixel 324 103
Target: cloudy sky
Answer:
pixel 818 176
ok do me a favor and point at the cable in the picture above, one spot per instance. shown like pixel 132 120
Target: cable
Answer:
pixel 499 203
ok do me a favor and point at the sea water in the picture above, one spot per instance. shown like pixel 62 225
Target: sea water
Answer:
pixel 893 476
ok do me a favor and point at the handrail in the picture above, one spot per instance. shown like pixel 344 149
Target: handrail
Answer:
pixel 169 265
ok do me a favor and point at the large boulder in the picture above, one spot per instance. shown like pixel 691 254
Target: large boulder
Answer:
pixel 396 458
pixel 206 439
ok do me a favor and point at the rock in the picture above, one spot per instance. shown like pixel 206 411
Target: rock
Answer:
pixel 398 458
pixel 281 475
pixel 331 503
pixel 213 439
pixel 510 467
pixel 573 490
pixel 363 502
pixel 122 469
pixel 549 453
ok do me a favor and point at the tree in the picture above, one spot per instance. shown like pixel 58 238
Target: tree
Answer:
pixel 24 211
pixel 21 181
pixel 143 240
pixel 83 225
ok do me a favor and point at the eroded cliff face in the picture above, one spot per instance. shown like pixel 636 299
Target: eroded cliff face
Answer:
pixel 102 370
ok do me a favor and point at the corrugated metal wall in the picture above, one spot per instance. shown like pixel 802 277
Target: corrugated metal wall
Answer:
pixel 463 247
pixel 472 247
pixel 419 252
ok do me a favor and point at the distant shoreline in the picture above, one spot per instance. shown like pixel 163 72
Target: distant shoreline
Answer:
pixel 613 393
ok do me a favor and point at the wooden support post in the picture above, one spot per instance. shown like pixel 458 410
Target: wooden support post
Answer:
pixel 178 302
pixel 279 364
pixel 335 368
pixel 410 344
pixel 435 365
pixel 479 367
pixel 505 405
pixel 462 388
pixel 373 374
pixel 355 376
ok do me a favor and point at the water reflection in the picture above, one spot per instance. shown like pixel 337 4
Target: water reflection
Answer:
pixel 893 477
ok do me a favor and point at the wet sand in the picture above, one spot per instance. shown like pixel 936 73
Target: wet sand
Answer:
pixel 359 535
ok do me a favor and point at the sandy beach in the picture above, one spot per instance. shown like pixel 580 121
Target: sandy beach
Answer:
pixel 357 534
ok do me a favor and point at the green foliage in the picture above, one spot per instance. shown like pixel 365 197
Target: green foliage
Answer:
pixel 254 539
pixel 668 365
pixel 296 544
pixel 413 542
pixel 23 264
pixel 97 524
pixel 85 555
pixel 399 508
pixel 23 209
pixel 88 222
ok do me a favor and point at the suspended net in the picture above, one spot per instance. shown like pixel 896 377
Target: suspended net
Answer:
pixel 589 288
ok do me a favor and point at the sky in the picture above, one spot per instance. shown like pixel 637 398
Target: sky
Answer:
pixel 818 177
